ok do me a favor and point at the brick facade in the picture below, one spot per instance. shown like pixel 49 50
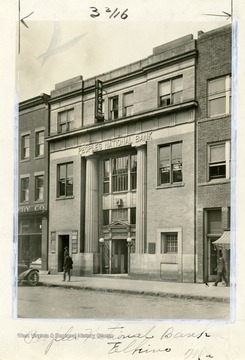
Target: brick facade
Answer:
pixel 33 212
pixel 214 61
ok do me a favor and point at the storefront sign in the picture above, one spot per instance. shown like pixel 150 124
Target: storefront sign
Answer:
pixel 33 208
pixel 133 140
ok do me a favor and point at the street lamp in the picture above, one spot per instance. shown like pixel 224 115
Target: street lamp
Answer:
pixel 129 241
pixel 101 241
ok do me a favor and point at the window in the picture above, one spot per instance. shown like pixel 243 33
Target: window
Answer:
pixel 214 222
pixel 65 180
pixel 106 217
pixel 106 174
pixel 39 150
pixel 39 187
pixel 133 216
pixel 219 160
pixel 25 189
pixel 113 108
pixel 170 163
pixel 74 242
pixel 169 243
pixel 128 103
pixel 133 172
pixel 171 92
pixel 25 147
pixel 65 121
pixel 120 174
pixel 219 96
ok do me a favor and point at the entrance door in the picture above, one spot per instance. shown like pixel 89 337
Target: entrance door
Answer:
pixel 119 264
pixel 212 259
pixel 63 242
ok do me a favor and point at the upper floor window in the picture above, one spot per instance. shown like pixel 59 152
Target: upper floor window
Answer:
pixel 133 172
pixel 65 120
pixel 39 187
pixel 219 160
pixel 39 146
pixel 65 180
pixel 25 147
pixel 170 163
pixel 24 195
pixel 120 174
pixel 106 174
pixel 219 96
pixel 128 104
pixel 171 91
pixel 113 108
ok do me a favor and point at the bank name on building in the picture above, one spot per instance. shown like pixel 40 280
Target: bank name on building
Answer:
pixel 132 140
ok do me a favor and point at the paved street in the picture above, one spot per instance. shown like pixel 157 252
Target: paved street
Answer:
pixel 59 302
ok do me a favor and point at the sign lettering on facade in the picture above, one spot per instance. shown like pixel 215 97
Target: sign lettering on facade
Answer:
pixel 35 208
pixel 133 140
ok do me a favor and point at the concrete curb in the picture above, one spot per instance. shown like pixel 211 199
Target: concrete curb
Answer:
pixel 139 292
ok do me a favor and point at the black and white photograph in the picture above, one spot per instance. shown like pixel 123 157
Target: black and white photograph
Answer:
pixel 125 180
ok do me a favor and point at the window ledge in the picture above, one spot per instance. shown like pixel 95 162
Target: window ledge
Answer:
pixel 65 198
pixel 38 202
pixel 120 192
pixel 39 157
pixel 216 117
pixel 215 182
pixel 167 186
pixel 25 160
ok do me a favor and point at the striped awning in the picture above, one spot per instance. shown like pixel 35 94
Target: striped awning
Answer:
pixel 224 241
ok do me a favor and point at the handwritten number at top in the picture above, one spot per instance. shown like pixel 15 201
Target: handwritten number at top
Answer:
pixel 114 13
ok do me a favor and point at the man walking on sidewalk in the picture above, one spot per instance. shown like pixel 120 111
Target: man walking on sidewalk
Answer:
pixel 221 270
pixel 67 267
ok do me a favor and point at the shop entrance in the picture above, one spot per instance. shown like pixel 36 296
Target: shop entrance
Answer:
pixel 63 242
pixel 119 263
pixel 212 259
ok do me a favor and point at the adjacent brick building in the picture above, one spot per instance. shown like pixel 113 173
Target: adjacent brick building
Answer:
pixel 213 145
pixel 33 180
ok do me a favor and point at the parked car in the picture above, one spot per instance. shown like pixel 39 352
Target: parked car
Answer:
pixel 37 264
pixel 31 275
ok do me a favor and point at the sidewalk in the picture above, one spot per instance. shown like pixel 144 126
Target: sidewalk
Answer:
pixel 145 287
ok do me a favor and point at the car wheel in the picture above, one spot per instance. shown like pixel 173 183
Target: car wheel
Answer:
pixel 33 278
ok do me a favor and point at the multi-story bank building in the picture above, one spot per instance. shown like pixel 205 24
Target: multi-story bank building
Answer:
pixel 122 176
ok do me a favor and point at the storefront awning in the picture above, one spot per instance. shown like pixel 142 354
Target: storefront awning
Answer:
pixel 224 241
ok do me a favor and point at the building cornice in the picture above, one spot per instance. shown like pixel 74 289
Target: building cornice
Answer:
pixel 35 101
pixel 141 116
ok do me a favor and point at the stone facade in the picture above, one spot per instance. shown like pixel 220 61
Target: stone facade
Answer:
pixel 163 208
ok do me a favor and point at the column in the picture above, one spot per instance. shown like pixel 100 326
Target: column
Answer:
pixel 91 205
pixel 44 245
pixel 140 244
